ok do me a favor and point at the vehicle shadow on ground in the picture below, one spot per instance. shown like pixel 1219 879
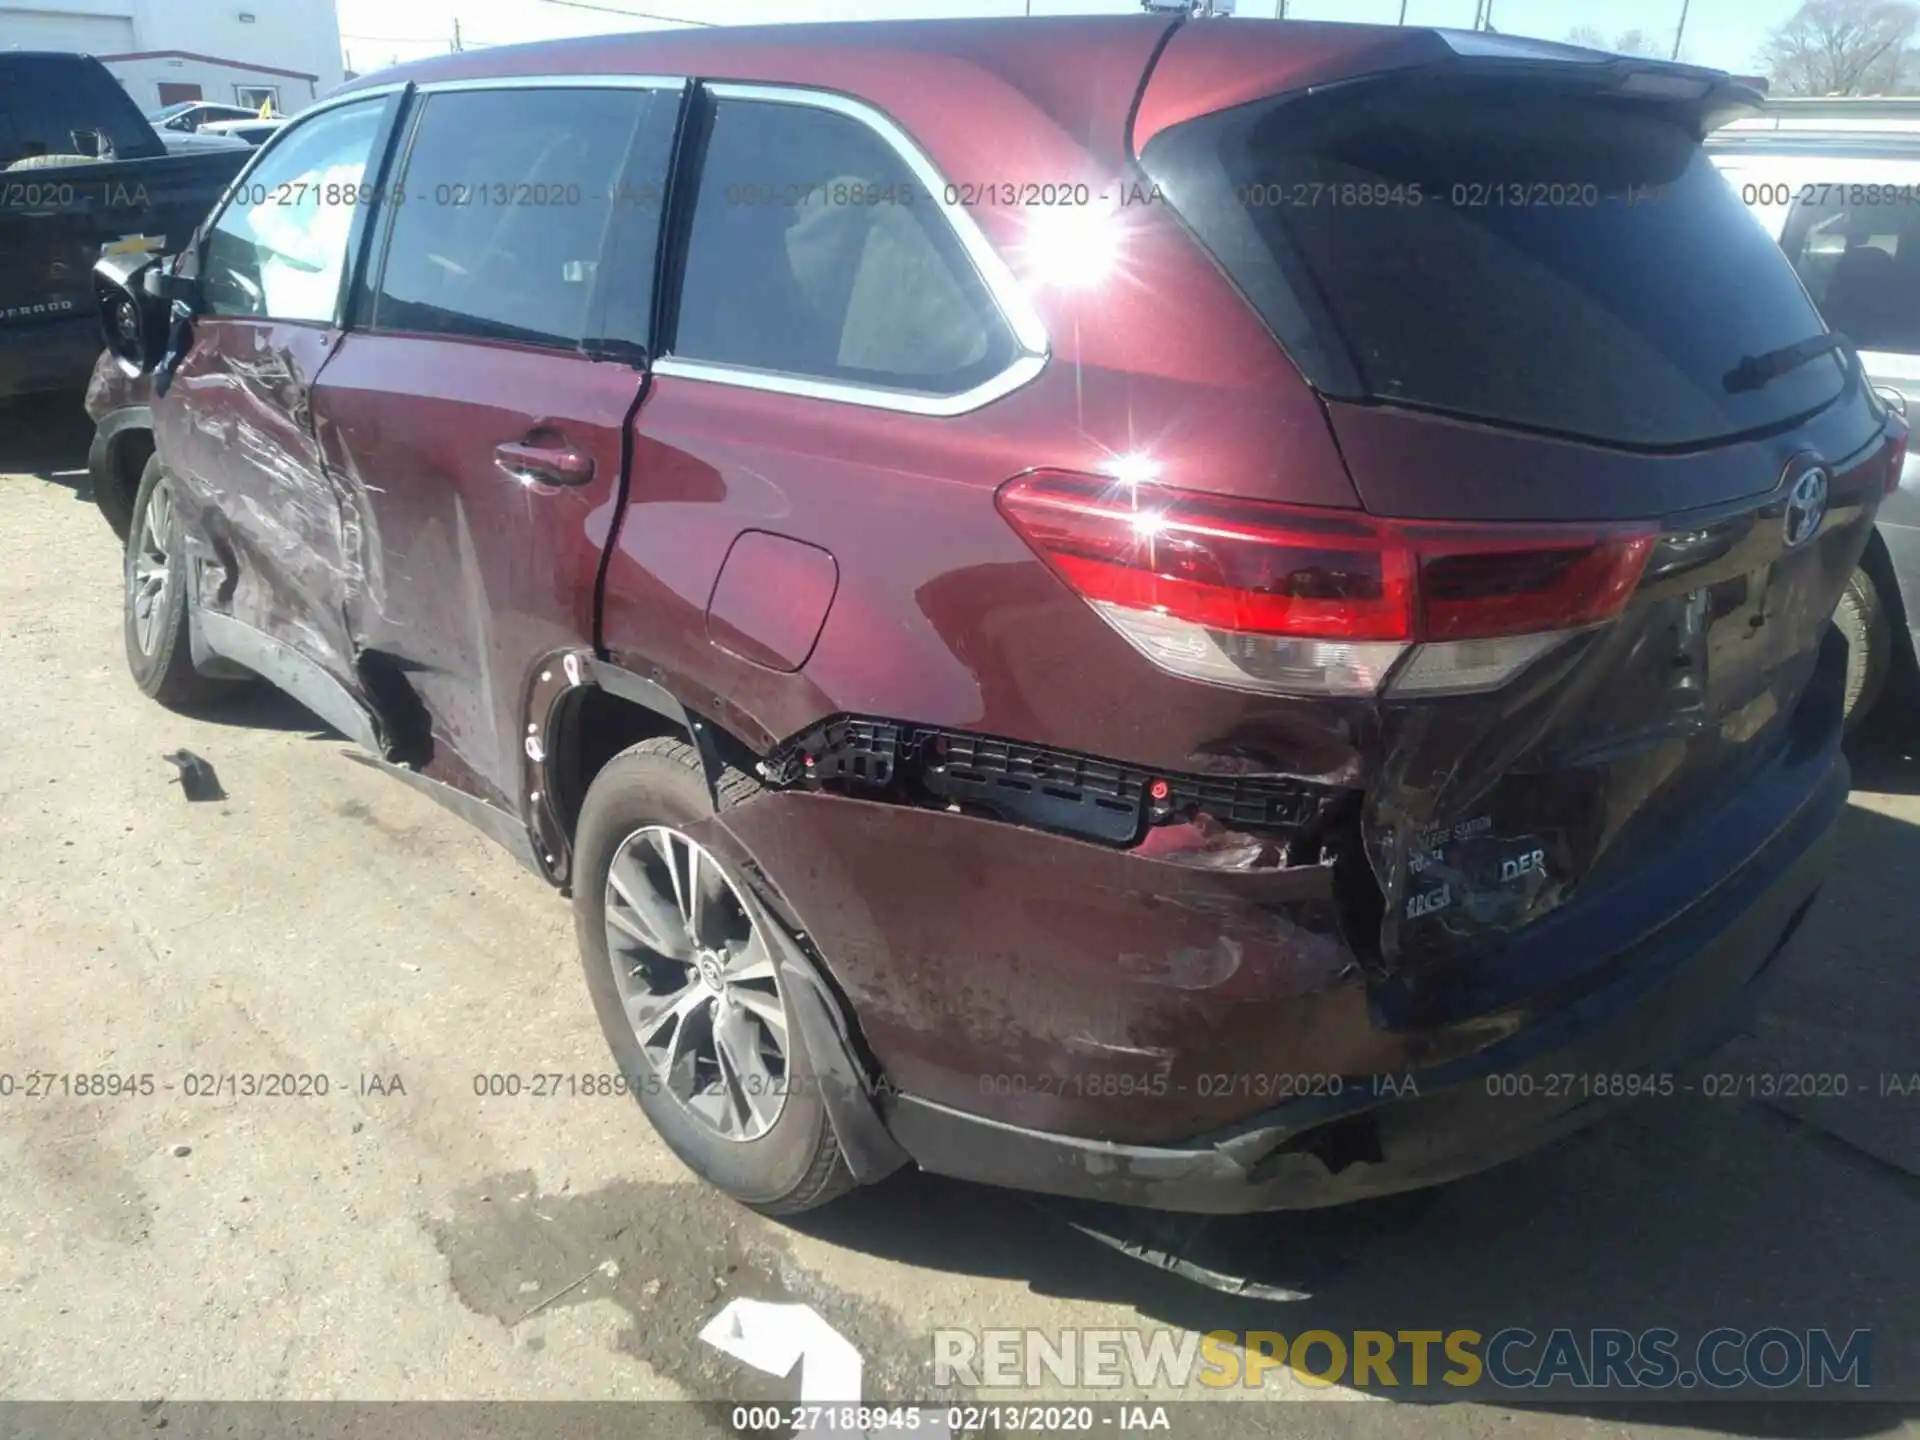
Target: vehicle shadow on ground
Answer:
pixel 261 707
pixel 48 436
pixel 1691 1213
pixel 1888 761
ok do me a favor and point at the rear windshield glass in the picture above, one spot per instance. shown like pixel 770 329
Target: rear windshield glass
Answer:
pixel 1539 257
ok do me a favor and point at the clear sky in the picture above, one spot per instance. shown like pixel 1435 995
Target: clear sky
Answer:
pixel 1723 33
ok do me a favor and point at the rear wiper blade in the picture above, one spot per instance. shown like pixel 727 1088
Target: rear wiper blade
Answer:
pixel 1754 371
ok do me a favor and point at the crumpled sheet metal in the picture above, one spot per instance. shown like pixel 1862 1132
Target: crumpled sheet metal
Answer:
pixel 286 557
pixel 1010 972
pixel 1488 813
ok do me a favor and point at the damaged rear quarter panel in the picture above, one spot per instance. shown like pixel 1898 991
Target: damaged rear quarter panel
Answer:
pixel 1061 985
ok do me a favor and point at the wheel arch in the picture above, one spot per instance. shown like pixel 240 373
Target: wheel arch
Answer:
pixel 122 443
pixel 581 712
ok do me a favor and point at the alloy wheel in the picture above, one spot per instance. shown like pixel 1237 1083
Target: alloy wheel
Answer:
pixel 149 584
pixel 696 981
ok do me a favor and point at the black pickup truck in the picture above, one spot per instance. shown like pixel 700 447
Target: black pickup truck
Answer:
pixel 82 174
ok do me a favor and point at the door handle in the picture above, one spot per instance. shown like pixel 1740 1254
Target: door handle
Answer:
pixel 544 465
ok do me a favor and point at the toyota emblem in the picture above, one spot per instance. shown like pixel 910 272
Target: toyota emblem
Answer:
pixel 1806 506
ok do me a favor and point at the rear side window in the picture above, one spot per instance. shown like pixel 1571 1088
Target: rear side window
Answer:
pixel 1544 258
pixel 815 252
pixel 1859 257
pixel 507 198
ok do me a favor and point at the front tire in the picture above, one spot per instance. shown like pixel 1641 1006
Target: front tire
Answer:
pixel 154 603
pixel 111 492
pixel 686 986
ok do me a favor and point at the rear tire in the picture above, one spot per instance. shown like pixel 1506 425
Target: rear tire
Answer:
pixel 782 1155
pixel 1862 618
pixel 154 604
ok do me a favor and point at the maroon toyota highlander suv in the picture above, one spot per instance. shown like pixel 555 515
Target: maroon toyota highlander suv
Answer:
pixel 1219 615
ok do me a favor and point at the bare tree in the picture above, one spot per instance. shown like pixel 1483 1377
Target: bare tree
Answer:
pixel 1845 47
pixel 1627 42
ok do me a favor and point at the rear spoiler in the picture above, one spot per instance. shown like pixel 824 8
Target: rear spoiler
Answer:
pixel 1206 68
pixel 1710 98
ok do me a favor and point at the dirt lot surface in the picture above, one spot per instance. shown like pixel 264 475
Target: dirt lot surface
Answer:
pixel 405 1237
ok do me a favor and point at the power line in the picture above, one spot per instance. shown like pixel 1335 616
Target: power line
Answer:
pixel 630 14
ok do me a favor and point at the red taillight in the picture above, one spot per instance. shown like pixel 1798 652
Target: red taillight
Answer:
pixel 1483 584
pixel 1188 577
pixel 1228 564
pixel 1259 568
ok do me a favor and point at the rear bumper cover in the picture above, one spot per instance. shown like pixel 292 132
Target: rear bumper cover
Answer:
pixel 1676 995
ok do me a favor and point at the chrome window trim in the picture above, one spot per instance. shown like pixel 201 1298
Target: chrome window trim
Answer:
pixel 496 82
pixel 555 82
pixel 1030 337
pixel 329 102
pixel 1024 369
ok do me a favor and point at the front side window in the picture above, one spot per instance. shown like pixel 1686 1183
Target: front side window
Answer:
pixel 280 247
pixel 508 197
pixel 1861 264
pixel 814 251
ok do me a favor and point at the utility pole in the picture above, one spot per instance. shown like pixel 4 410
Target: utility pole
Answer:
pixel 1680 29
pixel 457 46
pixel 1403 12
pixel 1486 19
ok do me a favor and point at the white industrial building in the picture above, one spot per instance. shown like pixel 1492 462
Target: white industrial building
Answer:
pixel 236 52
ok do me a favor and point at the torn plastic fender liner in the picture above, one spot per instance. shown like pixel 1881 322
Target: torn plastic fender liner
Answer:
pixel 557 682
pixel 847 1088
pixel 652 695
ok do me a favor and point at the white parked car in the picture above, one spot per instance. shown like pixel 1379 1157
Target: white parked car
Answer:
pixel 255 131
pixel 1837 183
